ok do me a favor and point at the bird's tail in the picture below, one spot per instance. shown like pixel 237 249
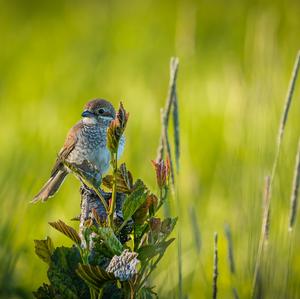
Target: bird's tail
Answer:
pixel 51 186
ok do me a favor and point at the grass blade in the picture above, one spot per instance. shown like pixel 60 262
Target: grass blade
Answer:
pixel 295 191
pixel 229 249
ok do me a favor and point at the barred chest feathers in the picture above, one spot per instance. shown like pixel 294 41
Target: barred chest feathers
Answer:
pixel 91 146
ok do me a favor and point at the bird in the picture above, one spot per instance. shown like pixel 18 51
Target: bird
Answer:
pixel 85 142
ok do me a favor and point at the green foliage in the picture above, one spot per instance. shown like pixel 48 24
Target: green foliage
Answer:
pixel 124 180
pixel 73 271
pixel 106 234
pixel 69 231
pixel 147 252
pixel 116 129
pixel 135 199
pixel 94 276
pixel 148 208
pixel 46 292
pixel 100 263
pixel 64 282
pixel 44 249
pixel 235 68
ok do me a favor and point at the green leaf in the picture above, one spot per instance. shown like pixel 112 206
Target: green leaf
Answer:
pixel 64 281
pixel 67 230
pixel 141 214
pixel 139 231
pixel 94 276
pixel 123 180
pixel 110 240
pixel 44 249
pixel 44 292
pixel 134 200
pixel 147 252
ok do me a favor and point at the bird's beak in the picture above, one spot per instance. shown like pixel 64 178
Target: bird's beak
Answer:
pixel 87 113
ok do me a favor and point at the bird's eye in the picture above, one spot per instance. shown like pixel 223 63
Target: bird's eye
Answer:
pixel 101 111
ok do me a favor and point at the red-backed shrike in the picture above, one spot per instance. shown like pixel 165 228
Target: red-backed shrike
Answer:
pixel 86 141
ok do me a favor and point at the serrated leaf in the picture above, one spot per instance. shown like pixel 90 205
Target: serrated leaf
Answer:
pixel 124 176
pixel 123 179
pixel 134 200
pixel 94 276
pixel 149 251
pixel 110 240
pixel 62 275
pixel 44 249
pixel 67 230
pixel 45 291
pixel 149 205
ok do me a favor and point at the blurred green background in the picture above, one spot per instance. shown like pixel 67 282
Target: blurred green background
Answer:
pixel 235 63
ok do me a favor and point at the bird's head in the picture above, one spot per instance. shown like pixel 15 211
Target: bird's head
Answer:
pixel 98 110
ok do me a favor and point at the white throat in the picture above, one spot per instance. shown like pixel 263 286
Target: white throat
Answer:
pixel 89 120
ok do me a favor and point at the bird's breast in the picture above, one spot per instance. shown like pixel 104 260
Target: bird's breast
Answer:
pixel 91 146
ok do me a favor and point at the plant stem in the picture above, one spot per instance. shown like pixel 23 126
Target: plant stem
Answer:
pixel 280 135
pixel 165 114
pixel 215 269
pixel 121 226
pixel 92 293
pixel 153 266
pixel 100 294
pixel 131 290
pixel 295 190
pixel 162 198
pixel 114 190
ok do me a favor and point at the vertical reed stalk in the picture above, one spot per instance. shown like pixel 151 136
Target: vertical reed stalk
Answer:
pixel 235 293
pixel 195 229
pixel 165 148
pixel 293 211
pixel 230 257
pixel 229 249
pixel 171 97
pixel 215 269
pixel 266 211
pixel 295 190
pixel 176 130
pixel 179 253
pixel 280 135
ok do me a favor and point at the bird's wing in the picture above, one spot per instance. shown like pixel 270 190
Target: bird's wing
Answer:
pixel 69 145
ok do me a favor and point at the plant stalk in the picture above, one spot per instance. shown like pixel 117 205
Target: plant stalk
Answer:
pixel 114 191
pixel 280 135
